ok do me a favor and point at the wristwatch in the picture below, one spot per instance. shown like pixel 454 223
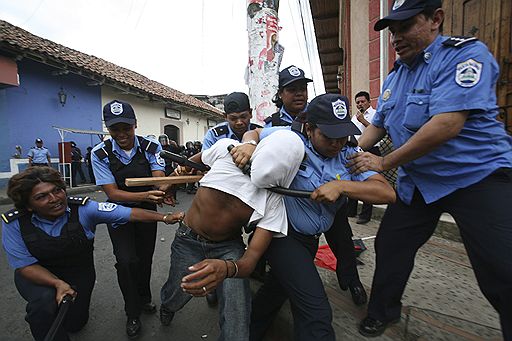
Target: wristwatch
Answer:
pixel 254 143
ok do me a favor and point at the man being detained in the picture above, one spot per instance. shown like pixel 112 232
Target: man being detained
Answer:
pixel 208 241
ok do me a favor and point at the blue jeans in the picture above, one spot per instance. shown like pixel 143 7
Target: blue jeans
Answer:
pixel 234 294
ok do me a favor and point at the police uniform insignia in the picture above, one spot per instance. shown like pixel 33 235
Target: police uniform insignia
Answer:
pixel 458 41
pixel 11 215
pixel 468 73
pixel 339 109
pixel 159 160
pixel 116 108
pixel 106 206
pixel 222 130
pixel 77 200
pixel 398 4
pixel 386 94
pixel 294 71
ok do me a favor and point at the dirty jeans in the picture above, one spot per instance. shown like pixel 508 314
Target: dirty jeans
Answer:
pixel 234 294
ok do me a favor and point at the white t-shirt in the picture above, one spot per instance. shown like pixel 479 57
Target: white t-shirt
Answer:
pixel 368 115
pixel 269 210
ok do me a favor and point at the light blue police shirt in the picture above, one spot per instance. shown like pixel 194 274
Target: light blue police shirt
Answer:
pixel 90 214
pixel 39 155
pixel 445 79
pixel 308 216
pixel 210 137
pixel 101 169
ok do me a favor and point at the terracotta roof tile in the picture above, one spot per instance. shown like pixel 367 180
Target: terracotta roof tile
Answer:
pixel 24 41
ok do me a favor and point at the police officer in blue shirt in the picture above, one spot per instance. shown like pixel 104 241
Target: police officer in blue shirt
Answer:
pixel 293 273
pixel 291 97
pixel 48 239
pixel 438 104
pixel 238 113
pixel 126 155
pixel 39 155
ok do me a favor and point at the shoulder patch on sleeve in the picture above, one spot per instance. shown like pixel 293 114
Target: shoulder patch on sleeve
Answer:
pixel 468 73
pixel 12 215
pixel 459 41
pixel 106 206
pixel 221 130
pixel 77 200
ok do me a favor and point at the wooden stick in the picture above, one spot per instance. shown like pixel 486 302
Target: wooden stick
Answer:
pixel 163 180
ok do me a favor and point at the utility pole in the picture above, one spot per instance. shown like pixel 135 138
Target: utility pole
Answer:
pixel 265 56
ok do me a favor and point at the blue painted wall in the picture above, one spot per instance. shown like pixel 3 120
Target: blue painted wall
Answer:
pixel 29 111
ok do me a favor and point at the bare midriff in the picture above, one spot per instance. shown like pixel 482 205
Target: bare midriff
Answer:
pixel 216 215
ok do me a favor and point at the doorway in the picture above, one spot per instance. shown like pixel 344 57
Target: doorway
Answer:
pixel 173 133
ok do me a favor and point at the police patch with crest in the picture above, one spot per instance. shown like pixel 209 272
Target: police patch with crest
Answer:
pixel 468 73
pixel 339 109
pixel 398 4
pixel 294 71
pixel 106 206
pixel 116 108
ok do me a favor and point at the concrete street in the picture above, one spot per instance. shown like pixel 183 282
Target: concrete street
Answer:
pixel 442 300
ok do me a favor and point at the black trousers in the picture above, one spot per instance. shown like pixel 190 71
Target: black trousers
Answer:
pixel 134 245
pixel 42 307
pixel 293 275
pixel 366 210
pixel 76 167
pixel 339 238
pixel 483 214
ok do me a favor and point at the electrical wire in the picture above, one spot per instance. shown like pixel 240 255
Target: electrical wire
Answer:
pixel 308 45
pixel 34 12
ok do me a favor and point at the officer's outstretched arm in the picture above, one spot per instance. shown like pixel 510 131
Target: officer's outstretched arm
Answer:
pixel 116 194
pixel 435 132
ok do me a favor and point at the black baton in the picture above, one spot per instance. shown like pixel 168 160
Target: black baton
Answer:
pixel 63 309
pixel 183 161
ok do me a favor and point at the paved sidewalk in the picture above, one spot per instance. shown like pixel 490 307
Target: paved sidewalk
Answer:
pixel 441 302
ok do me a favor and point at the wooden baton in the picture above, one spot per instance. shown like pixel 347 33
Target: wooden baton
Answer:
pixel 162 180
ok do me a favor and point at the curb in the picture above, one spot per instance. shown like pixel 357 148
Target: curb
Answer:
pixel 5 200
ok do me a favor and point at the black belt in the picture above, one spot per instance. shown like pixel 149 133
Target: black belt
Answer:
pixel 291 230
pixel 183 228
pixel 39 164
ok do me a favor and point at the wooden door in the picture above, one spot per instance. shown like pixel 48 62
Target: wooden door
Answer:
pixel 489 21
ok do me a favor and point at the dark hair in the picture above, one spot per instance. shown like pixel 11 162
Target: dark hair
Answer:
pixel 21 185
pixel 363 93
pixel 429 11
pixel 277 100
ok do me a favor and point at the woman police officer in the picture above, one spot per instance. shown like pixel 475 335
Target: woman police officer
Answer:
pixel 291 99
pixel 293 274
pixel 49 239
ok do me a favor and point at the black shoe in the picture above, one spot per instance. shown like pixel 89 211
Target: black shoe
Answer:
pixel 362 221
pixel 133 327
pixel 149 308
pixel 358 294
pixel 371 327
pixel 166 316
pixel 212 299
